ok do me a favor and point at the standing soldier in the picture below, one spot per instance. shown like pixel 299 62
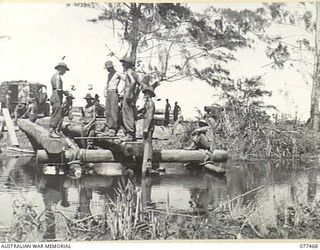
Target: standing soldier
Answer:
pixel 148 124
pixel 176 111
pixel 167 112
pixel 56 100
pixel 112 99
pixel 89 120
pixel 24 92
pixel 131 92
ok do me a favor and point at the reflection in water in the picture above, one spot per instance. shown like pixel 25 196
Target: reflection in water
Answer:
pixel 277 187
pixel 53 192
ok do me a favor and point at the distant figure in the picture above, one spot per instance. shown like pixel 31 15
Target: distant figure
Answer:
pixel 32 110
pixel 131 93
pixel 200 139
pixel 176 111
pixel 148 124
pixel 23 93
pixel 42 101
pixel 167 112
pixel 89 120
pixel 20 110
pixel 179 132
pixel 112 99
pixel 56 100
pixel 9 101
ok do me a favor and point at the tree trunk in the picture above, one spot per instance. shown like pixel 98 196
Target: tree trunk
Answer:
pixel 135 8
pixel 41 136
pixel 315 94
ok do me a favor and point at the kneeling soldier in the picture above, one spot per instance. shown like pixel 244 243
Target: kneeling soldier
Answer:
pixel 200 139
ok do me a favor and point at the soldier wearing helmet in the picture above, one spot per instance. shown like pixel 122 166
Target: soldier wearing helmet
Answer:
pixel 200 139
pixel 56 100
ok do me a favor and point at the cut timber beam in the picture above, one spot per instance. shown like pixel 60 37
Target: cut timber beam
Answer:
pixel 84 155
pixel 10 127
pixel 41 136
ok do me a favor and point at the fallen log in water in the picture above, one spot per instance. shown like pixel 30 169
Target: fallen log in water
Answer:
pixel 181 155
pixel 213 168
pixel 41 136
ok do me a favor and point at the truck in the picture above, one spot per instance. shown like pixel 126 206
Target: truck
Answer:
pixel 21 90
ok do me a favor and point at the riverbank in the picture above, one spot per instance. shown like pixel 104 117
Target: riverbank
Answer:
pixel 277 141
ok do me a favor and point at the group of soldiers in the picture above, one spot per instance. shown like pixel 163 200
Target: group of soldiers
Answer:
pixel 115 117
pixel 176 110
pixel 27 107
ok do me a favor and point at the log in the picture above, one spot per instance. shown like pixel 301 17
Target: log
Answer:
pixel 177 155
pixel 41 136
pixel 129 149
pixel 13 140
pixel 86 155
pixel 180 155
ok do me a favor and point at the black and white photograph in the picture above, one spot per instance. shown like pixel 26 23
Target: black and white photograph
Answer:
pixel 159 121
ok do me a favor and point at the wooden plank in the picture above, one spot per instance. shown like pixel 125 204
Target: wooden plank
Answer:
pixel 88 155
pixel 95 137
pixel 21 150
pixel 13 140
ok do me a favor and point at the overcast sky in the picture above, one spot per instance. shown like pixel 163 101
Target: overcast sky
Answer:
pixel 42 33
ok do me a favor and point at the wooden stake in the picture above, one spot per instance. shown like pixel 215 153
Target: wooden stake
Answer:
pixel 145 158
pixel 13 140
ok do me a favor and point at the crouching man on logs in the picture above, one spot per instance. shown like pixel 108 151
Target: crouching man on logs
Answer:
pixel 89 120
pixel 200 139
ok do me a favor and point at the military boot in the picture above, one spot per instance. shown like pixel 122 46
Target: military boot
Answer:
pixel 53 133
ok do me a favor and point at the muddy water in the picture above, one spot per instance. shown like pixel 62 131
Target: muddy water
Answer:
pixel 275 186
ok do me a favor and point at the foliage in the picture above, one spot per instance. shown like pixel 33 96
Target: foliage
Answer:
pixel 170 41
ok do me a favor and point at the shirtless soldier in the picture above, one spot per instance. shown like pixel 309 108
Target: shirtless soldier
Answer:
pixel 148 123
pixel 89 120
